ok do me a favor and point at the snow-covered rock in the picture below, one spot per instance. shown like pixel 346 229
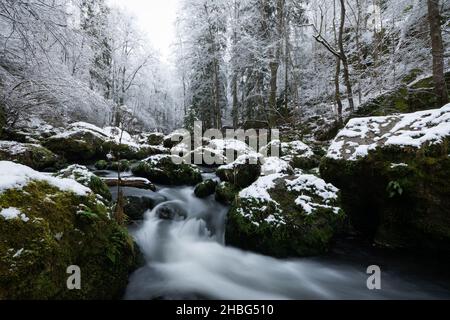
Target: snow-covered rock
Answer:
pixel 243 171
pixel 32 155
pixel 394 175
pixel 82 175
pixel 49 223
pixel 283 215
pixel 361 135
pixel 16 176
pixel 296 153
pixel 86 142
pixel 163 169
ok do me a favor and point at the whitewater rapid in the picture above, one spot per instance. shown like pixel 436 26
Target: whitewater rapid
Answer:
pixel 186 258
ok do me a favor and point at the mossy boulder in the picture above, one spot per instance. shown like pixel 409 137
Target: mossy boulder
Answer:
pixel 394 175
pixel 285 216
pixel 413 95
pixel 74 146
pixel 152 138
pixel 83 176
pixel 51 230
pixel 226 193
pixel 101 165
pixel 205 188
pixel 242 172
pixel 174 138
pixel 31 155
pixel 169 170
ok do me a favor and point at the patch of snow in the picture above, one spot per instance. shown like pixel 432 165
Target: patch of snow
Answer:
pixel 404 130
pixel 18 253
pixel 16 176
pixel 13 213
pixel 259 189
pixel 15 148
pixel 273 165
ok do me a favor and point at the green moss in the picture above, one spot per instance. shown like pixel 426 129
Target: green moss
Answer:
pixel 205 188
pixel 397 205
pixel 63 230
pixel 288 232
pixel 165 171
pixel 226 193
pixel 81 146
pixel 416 97
pixel 241 175
pixel 98 186
pixel 36 157
pixel 101 165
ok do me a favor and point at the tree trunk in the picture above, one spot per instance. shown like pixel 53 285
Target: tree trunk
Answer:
pixel 344 59
pixel 337 93
pixel 437 49
pixel 218 111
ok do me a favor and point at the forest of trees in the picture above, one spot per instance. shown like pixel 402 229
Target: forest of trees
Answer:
pixel 272 61
pixel 275 60
pixel 79 60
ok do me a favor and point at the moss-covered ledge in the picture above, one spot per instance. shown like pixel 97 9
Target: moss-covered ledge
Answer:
pixel 57 229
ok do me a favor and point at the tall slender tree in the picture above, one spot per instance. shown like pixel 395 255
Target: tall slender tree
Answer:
pixel 437 49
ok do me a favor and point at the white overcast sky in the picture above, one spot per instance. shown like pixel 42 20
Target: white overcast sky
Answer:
pixel 156 18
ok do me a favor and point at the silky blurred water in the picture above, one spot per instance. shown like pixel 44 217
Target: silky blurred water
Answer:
pixel 186 258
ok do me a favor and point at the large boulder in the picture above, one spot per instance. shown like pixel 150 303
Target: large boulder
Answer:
pixel 79 143
pixel 394 174
pixel 165 169
pixel 151 138
pixel 82 175
pixel 83 142
pixel 285 215
pixel 242 172
pixel 226 193
pixel 205 188
pixel 32 155
pixel 49 224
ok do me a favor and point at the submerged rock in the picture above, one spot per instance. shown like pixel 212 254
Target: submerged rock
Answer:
pixel 138 201
pixel 394 174
pixel 162 169
pixel 31 155
pixel 171 211
pixel 283 215
pixel 48 224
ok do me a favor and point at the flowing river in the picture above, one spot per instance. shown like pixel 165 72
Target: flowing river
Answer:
pixel 186 259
